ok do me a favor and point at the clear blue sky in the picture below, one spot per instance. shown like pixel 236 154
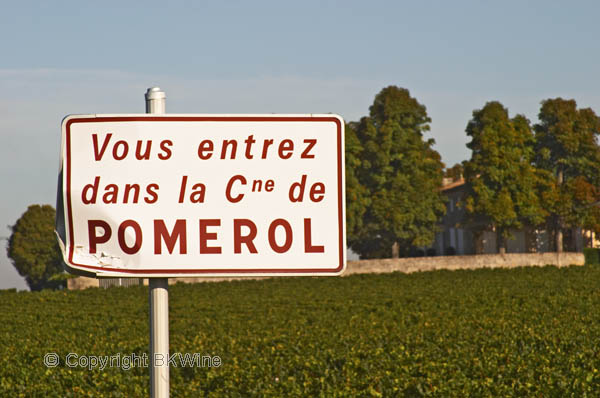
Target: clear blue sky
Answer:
pixel 58 58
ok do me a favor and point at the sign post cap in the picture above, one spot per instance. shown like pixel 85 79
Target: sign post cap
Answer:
pixel 155 93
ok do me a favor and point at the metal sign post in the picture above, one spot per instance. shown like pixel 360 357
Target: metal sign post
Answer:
pixel 159 296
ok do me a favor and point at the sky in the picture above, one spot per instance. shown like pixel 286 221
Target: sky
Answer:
pixel 74 57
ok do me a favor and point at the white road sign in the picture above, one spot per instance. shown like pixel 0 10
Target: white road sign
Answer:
pixel 202 195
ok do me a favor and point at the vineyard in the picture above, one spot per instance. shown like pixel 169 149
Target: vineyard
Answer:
pixel 531 332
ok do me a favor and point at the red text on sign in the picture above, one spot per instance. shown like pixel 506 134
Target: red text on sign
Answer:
pixel 284 149
pixel 245 233
pixel 120 149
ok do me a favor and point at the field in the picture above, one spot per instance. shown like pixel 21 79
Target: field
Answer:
pixel 527 332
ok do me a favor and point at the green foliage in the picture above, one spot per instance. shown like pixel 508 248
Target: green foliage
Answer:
pixel 455 172
pixel 592 256
pixel 527 332
pixel 566 148
pixel 501 181
pixel 357 198
pixel 34 249
pixel 401 173
pixel 566 139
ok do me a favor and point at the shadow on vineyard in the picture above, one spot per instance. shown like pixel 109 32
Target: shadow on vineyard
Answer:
pixel 501 333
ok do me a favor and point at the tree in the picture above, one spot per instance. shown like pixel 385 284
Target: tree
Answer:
pixel 33 247
pixel 402 174
pixel 455 172
pixel 501 189
pixel 357 198
pixel 567 149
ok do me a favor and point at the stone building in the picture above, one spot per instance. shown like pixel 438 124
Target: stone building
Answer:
pixel 458 237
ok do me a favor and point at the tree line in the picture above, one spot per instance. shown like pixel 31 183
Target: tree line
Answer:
pixel 544 175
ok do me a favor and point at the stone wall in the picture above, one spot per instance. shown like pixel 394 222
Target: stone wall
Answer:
pixel 510 260
pixel 408 265
pixel 82 282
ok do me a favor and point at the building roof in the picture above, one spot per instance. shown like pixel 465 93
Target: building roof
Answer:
pixel 453 184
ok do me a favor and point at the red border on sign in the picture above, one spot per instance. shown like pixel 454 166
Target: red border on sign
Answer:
pixel 133 272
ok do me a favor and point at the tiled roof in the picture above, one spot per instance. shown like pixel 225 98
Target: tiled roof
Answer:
pixel 453 184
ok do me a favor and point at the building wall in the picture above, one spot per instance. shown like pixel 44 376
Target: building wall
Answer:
pixel 453 237
pixel 517 243
pixel 456 234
